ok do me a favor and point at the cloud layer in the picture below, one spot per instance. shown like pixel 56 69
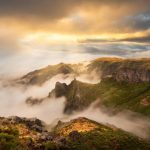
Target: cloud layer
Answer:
pixel 33 30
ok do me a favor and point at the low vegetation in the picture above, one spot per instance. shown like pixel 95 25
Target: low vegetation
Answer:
pixel 118 95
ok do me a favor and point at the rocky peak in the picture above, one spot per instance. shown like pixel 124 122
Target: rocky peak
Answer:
pixel 60 89
pixel 64 68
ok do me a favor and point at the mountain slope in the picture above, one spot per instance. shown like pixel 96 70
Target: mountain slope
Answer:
pixel 128 70
pixel 84 134
pixel 113 94
pixel 78 134
pixel 22 134
pixel 38 77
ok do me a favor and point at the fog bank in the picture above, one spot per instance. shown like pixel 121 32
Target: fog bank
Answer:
pixel 12 103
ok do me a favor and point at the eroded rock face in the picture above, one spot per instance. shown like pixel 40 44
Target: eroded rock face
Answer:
pixel 132 75
pixel 127 70
pixel 60 89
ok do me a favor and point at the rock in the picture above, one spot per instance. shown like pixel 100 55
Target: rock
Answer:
pixel 132 75
pixel 15 119
pixel 31 123
pixel 46 136
pixel 60 89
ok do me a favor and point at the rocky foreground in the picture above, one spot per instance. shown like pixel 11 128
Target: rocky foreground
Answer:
pixel 79 134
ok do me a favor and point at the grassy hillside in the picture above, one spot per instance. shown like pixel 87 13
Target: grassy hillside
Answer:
pixel 135 97
pixel 118 95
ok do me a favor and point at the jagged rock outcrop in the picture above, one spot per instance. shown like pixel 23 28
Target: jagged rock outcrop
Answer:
pixel 60 89
pixel 76 94
pixel 108 92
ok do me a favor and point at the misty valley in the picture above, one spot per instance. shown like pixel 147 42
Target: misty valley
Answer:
pixel 100 104
pixel 74 74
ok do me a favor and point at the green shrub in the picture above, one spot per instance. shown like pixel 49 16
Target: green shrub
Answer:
pixel 8 142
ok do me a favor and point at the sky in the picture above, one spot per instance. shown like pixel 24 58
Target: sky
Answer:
pixel 36 33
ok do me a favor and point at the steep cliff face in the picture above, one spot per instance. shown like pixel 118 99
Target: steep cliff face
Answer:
pixel 127 70
pixel 79 95
pixel 60 89
pixel 132 75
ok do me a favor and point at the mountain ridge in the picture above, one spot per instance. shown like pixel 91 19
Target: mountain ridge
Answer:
pixel 128 70
pixel 110 93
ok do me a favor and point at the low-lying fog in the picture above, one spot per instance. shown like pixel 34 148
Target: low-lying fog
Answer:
pixel 13 96
pixel 12 102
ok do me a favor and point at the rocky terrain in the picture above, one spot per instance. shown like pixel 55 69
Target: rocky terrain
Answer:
pixel 110 93
pixel 22 133
pixel 128 70
pixel 124 85
pixel 78 134
pixel 38 77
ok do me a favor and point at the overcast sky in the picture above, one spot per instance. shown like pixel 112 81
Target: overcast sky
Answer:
pixel 35 33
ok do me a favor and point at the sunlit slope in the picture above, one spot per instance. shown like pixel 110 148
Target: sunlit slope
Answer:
pixel 84 134
pixel 79 134
pixel 38 77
